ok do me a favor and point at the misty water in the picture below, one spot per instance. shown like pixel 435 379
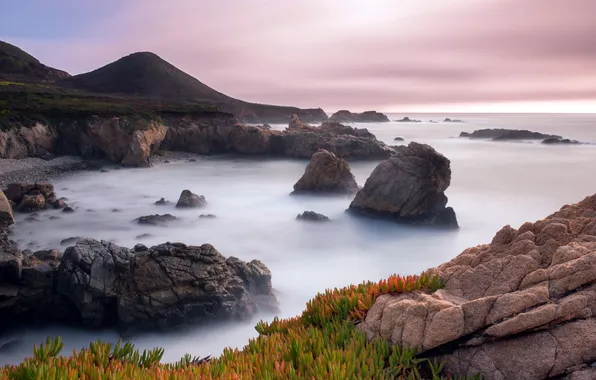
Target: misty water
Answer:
pixel 493 184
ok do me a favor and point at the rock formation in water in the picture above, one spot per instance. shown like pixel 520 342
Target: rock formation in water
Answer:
pixel 188 199
pixel 448 120
pixel 345 116
pixel 398 139
pixel 156 219
pixel 99 284
pixel 409 188
pixel 521 307
pixel 507 134
pixel 406 119
pixel 327 173
pixel 312 216
pixel 26 197
pixel 559 141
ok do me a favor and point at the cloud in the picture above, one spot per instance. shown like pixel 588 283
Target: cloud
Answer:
pixel 352 54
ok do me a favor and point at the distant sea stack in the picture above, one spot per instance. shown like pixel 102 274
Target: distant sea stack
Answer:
pixel 507 134
pixel 345 116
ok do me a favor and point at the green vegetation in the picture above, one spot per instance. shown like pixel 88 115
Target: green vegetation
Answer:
pixel 322 343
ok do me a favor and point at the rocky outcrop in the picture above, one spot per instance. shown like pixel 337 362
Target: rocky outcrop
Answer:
pixel 327 173
pixel 406 119
pixel 557 141
pixel 188 199
pixel 33 197
pixel 99 284
pixel 507 134
pixel 448 120
pixel 6 213
pixel 345 116
pixel 408 188
pixel 156 220
pixel 38 140
pixel 521 307
pixel 312 216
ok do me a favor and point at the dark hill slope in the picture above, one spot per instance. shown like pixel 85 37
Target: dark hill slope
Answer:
pixel 17 65
pixel 147 75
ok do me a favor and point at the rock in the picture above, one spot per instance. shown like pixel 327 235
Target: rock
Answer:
pixel 70 240
pixel 143 236
pixel 408 188
pixel 312 216
pixel 448 120
pixel 192 160
pixel 68 210
pixel 162 202
pixel 295 123
pixel 6 215
pixel 102 285
pixel 507 134
pixel 408 120
pixel 104 171
pixel 58 204
pixel 556 141
pixel 531 290
pixel 398 139
pixel 207 216
pixel 53 254
pixel 54 217
pixel 166 161
pixel 116 210
pixel 32 218
pixel 345 116
pixel 32 202
pixel 327 173
pixel 156 220
pixel 188 199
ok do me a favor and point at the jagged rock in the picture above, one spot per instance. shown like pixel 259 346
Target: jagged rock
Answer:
pixel 312 216
pixel 521 307
pixel 345 116
pixel 188 200
pixel 408 188
pixel 70 241
pixel 507 134
pixel 156 219
pixel 327 173
pixel 101 285
pixel 162 202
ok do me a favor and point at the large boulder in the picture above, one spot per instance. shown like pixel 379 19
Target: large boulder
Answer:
pixel 327 173
pixel 408 188
pixel 345 116
pixel 6 213
pixel 32 197
pixel 100 284
pixel 521 307
pixel 156 219
pixel 188 199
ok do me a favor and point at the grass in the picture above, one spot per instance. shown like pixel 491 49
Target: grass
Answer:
pixel 322 343
pixel 24 104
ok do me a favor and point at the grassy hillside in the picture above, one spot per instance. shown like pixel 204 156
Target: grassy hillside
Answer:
pixel 322 343
pixel 15 64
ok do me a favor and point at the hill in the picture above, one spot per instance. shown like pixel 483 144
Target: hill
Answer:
pixel 17 65
pixel 145 74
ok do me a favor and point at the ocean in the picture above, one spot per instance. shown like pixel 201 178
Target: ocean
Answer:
pixel 493 184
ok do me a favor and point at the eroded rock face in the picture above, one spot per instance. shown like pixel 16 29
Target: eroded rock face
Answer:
pixel 188 199
pixel 327 173
pixel 36 141
pixel 345 116
pixel 408 188
pixel 521 307
pixel 100 284
pixel 33 197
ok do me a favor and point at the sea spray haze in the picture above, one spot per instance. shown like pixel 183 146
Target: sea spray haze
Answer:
pixel 493 184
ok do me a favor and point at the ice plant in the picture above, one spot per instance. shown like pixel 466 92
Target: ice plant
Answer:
pixel 322 343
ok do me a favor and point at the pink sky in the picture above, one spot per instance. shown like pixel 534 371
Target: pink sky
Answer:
pixel 388 55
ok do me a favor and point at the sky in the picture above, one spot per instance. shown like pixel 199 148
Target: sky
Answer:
pixel 386 55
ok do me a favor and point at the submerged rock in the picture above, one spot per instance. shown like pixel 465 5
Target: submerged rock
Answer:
pixel 327 173
pixel 406 119
pixel 312 216
pixel 408 188
pixel 189 200
pixel 162 202
pixel 207 216
pixel 100 284
pixel 521 307
pixel 156 220
pixel 448 120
